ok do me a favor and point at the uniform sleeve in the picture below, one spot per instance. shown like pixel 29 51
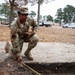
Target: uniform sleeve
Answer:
pixel 13 29
pixel 34 25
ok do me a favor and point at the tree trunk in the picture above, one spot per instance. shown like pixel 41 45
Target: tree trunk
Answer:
pixel 11 18
pixel 38 12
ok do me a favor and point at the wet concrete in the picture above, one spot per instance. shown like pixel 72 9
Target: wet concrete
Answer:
pixel 46 52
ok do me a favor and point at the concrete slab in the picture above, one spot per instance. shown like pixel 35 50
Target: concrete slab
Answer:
pixel 3 55
pixel 52 52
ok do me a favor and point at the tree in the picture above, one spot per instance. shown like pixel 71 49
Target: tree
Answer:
pixel 4 10
pixel 13 4
pixel 39 2
pixel 32 14
pixel 67 14
pixel 40 17
pixel 16 3
pixel 56 20
pixel 59 15
pixel 33 2
pixel 49 18
pixel 44 17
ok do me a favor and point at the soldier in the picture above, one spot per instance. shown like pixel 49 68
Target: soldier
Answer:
pixel 20 33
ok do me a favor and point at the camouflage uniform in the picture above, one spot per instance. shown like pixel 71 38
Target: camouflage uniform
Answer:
pixel 18 36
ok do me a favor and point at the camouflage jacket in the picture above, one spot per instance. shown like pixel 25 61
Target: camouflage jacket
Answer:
pixel 17 27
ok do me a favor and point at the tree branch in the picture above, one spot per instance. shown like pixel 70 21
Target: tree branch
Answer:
pixel 10 1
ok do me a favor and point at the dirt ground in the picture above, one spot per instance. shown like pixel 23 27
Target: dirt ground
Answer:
pixel 46 34
pixel 12 67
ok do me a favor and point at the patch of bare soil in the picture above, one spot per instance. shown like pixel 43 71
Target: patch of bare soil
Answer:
pixel 64 35
pixel 4 33
pixel 46 34
pixel 12 67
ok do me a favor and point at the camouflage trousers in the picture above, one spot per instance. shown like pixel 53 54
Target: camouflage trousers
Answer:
pixel 17 44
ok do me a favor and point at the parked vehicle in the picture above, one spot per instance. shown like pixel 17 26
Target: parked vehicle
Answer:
pixel 69 25
pixel 47 24
pixel 4 23
pixel 41 23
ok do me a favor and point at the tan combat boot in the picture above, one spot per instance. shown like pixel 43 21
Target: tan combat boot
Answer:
pixel 14 55
pixel 7 47
pixel 28 55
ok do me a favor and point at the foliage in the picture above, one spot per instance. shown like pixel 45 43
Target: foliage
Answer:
pixel 15 3
pixel 56 20
pixel 40 17
pixel 4 10
pixel 59 13
pixel 66 15
pixel 49 18
pixel 69 12
pixel 32 14
pixel 33 2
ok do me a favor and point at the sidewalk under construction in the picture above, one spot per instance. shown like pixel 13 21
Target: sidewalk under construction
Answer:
pixel 47 52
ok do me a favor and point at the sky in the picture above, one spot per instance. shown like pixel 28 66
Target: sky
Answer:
pixel 50 8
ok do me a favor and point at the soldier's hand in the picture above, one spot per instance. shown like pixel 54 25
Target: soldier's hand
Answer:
pixel 33 32
pixel 19 58
pixel 28 33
